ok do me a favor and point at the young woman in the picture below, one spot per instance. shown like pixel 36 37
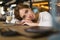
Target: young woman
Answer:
pixel 27 16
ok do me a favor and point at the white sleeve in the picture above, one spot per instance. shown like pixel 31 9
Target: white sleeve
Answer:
pixel 45 19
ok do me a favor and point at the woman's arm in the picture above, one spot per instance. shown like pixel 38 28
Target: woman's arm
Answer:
pixel 31 24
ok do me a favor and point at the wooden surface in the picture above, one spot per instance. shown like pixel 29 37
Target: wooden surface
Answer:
pixel 21 38
pixel 19 29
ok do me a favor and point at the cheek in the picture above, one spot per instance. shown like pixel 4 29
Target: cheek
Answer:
pixel 21 13
pixel 27 18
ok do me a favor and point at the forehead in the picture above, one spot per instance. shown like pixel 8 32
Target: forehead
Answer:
pixel 24 9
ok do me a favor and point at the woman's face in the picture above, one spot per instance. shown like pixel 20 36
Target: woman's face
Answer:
pixel 27 13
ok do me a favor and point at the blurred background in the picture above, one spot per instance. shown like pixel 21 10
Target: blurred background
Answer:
pixel 6 4
pixel 52 6
pixel 36 5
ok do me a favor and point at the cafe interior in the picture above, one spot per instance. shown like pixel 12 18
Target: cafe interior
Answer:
pixel 25 32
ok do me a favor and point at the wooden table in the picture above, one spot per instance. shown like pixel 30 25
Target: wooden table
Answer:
pixel 18 28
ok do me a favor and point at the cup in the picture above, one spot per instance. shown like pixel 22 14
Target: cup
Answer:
pixel 9 18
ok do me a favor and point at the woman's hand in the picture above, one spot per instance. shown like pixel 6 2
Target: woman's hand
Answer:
pixel 28 22
pixel 31 24
pixel 25 21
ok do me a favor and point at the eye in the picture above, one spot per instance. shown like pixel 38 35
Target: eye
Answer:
pixel 26 11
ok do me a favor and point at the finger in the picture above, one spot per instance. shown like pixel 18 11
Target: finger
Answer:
pixel 26 23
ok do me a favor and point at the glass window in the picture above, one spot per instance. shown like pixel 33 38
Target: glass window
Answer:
pixel 55 11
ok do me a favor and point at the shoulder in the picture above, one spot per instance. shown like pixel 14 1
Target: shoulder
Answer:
pixel 44 13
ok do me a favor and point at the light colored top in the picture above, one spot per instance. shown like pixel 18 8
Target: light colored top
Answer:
pixel 45 19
